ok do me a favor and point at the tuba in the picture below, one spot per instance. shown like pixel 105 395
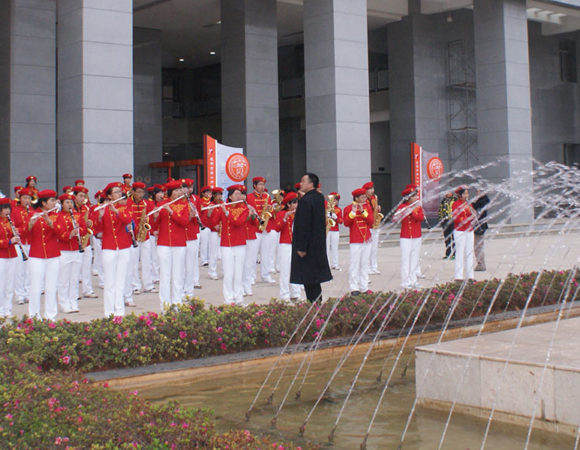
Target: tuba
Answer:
pixel 144 226
pixel 377 215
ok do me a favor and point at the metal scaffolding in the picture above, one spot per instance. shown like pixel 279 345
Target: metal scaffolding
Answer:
pixel 461 106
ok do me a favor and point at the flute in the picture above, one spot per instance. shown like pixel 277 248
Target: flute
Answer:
pixel 156 210
pixel 220 204
pixel 37 215
pixel 104 205
pixel 76 225
pixel 16 234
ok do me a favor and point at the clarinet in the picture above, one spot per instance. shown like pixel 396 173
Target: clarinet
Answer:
pixel 188 197
pixel 15 233
pixel 131 230
pixel 76 225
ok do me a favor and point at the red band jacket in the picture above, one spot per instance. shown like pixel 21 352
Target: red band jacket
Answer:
pixel 360 223
pixel 171 226
pixel 44 238
pixel 411 223
pixel 7 248
pixel 463 215
pixel 64 225
pixel 233 224
pixel 114 227
pixel 284 226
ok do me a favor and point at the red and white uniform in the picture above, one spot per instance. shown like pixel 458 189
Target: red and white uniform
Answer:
pixel 373 267
pixel 8 264
pixel 283 224
pixel 98 268
pixel 233 248
pixel 44 265
pixel 464 218
pixel 264 239
pixel 410 242
pixel 116 243
pixel 359 224
pixel 87 256
pixel 141 253
pixel 192 231
pixel 252 248
pixel 205 233
pixel 70 260
pixel 20 216
pixel 171 245
pixel 214 245
pixel 332 239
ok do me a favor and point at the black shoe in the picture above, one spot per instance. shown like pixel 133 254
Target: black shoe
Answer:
pixel 355 293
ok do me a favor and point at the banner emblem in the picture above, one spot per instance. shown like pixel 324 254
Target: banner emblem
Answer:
pixel 435 168
pixel 237 167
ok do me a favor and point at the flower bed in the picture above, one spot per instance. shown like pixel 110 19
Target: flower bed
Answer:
pixel 192 331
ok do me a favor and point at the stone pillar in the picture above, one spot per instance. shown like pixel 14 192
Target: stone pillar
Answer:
pixel 337 93
pixel 249 65
pixel 147 101
pixel 27 93
pixel 503 94
pixel 95 91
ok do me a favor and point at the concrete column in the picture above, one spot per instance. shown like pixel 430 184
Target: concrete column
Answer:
pixel 503 93
pixel 27 93
pixel 249 64
pixel 147 102
pixel 337 93
pixel 95 90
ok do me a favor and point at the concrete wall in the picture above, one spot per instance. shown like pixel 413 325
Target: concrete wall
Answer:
pixel 5 182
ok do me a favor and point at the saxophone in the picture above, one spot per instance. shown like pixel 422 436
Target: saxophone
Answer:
pixel 265 217
pixel 377 215
pixel 85 240
pixel 144 226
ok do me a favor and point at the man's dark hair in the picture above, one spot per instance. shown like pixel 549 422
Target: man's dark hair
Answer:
pixel 314 178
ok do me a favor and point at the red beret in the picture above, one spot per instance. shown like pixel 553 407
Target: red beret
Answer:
pixel 217 189
pixel 99 194
pixel 335 194
pixel 139 185
pixel 459 190
pixel 78 189
pixel 67 188
pixel 80 181
pixel 4 201
pixel 258 180
pixel 205 188
pixel 112 185
pixel 409 189
pixel 25 191
pixel 47 193
pixel 187 181
pixel 127 175
pixel 368 185
pixel 289 197
pixel 235 187
pixel 64 197
pixel 150 188
pixel 31 177
pixel 297 186
pixel 359 191
pixel 173 185
pixel 18 188
pixel 169 179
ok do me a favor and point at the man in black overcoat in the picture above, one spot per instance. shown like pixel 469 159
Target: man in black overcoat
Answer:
pixel 309 261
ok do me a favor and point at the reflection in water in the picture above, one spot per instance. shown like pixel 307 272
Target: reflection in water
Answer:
pixel 229 395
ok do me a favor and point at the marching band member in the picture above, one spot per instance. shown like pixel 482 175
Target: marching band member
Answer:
pixel 358 216
pixel 410 214
pixel 192 231
pixel 8 257
pixel 205 201
pixel 214 237
pixel 232 218
pixel 127 180
pixel 71 227
pixel 79 182
pixel 67 190
pixel 262 203
pixel 139 208
pixel 464 220
pixel 376 209
pixel 333 234
pixel 284 224
pixel 31 182
pixel 157 196
pixel 44 255
pixel 249 272
pixel 20 214
pixel 16 201
pixel 113 221
pixel 171 222
pixel 98 243
pixel 82 206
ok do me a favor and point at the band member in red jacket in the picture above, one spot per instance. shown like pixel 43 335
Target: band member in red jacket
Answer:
pixel 20 215
pixel 83 206
pixel 192 231
pixel 205 200
pixel 171 243
pixel 464 220
pixel 71 227
pixel 8 257
pixel 283 224
pixel 113 221
pixel 333 234
pixel 358 217
pixel 214 237
pixel 232 218
pixel 410 215
pixel 44 255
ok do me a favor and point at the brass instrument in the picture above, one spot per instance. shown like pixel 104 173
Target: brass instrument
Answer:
pixel 278 197
pixel 76 225
pixel 85 240
pixel 377 215
pixel 16 234
pixel 330 204
pixel 265 217
pixel 144 226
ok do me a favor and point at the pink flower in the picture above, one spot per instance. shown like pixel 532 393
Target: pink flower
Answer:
pixel 219 329
pixel 52 325
pixel 260 313
pixel 117 320
pixel 8 416
pixel 282 333
pixel 126 333
pixel 184 425
pixel 316 334
pixel 319 323
pixel 65 359
pixel 125 350
pixel 224 347
pixel 182 334
pixel 194 341
pixel 220 339
pixel 80 419
pixel 89 342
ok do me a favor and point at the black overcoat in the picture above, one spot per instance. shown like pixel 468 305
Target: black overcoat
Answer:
pixel 309 235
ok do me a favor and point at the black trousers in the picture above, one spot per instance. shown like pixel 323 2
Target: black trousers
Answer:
pixel 313 292
pixel 449 241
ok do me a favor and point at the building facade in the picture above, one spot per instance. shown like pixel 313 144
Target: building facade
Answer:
pixel 96 88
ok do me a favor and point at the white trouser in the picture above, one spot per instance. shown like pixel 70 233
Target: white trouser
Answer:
pixel 191 266
pixel 142 253
pixel 214 249
pixel 204 244
pixel 358 271
pixel 463 254
pixel 171 275
pixel 22 285
pixel 233 267
pixel 116 266
pixel 287 290
pixel 259 237
pixel 249 271
pixel 268 254
pixel 374 248
pixel 8 268
pixel 86 270
pixel 98 262
pixel 154 259
pixel 410 252
pixel 43 273
pixel 69 273
pixel 332 248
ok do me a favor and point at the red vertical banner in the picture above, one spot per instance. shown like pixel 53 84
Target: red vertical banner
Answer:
pixel 210 160
pixel 416 166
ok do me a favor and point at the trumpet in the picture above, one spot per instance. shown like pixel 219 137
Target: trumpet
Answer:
pixel 159 208
pixel 16 234
pixel 76 225
pixel 205 208
pixel 104 205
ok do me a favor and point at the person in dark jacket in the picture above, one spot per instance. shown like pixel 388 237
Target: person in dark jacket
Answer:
pixel 480 205
pixel 309 261
pixel 446 221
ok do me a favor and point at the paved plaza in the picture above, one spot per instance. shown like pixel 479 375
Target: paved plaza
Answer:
pixel 504 255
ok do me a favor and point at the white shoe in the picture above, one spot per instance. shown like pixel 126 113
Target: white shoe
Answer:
pixel 214 277
pixel 130 304
pixel 66 310
pixel 20 301
pixel 90 295
pixel 421 276
pixel 137 291
pixel 269 280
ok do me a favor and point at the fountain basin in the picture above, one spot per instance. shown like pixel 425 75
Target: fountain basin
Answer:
pixel 520 374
